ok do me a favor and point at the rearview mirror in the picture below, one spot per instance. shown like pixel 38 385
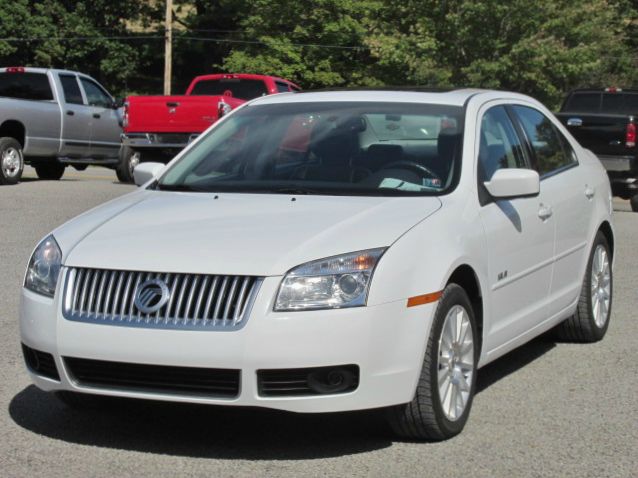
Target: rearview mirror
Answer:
pixel 144 172
pixel 513 183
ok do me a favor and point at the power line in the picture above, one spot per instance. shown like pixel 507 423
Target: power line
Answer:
pixel 259 42
pixel 180 37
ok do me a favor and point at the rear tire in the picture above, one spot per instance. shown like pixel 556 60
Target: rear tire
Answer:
pixel 51 169
pixel 11 161
pixel 448 371
pixel 634 203
pixel 591 320
pixel 129 159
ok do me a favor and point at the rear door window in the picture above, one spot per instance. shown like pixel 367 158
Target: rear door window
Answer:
pixel 71 89
pixel 235 87
pixel 549 145
pixel 25 86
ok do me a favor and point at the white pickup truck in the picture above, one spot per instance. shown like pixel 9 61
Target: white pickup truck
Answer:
pixel 54 118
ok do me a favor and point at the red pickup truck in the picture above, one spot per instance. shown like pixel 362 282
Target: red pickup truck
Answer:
pixel 157 127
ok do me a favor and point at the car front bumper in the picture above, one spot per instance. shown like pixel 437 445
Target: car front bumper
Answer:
pixel 386 342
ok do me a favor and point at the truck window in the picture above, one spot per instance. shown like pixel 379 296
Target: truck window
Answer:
pixel 25 86
pixel 586 102
pixel 71 89
pixel 235 87
pixel 94 94
pixel 620 103
pixel 282 87
pixel 547 142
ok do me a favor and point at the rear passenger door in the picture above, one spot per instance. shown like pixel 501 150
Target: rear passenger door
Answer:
pixel 76 119
pixel 568 194
pixel 519 236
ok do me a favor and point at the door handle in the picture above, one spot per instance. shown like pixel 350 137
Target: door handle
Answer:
pixel 574 122
pixel 589 192
pixel 70 112
pixel 96 115
pixel 172 104
pixel 545 212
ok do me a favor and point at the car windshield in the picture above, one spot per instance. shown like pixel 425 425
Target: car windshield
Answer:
pixel 340 148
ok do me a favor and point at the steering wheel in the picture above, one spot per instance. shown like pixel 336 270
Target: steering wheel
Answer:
pixel 412 166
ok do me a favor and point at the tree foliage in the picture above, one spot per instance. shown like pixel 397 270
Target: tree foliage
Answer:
pixel 540 48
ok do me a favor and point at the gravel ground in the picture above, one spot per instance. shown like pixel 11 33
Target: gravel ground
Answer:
pixel 547 409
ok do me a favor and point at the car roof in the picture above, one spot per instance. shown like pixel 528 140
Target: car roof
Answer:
pixel 455 97
pixel 33 69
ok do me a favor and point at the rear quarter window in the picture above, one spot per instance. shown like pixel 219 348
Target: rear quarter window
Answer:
pixel 25 86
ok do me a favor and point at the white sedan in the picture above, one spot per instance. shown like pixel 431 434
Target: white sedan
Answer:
pixel 330 251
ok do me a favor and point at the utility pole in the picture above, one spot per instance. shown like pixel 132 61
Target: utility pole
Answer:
pixel 168 47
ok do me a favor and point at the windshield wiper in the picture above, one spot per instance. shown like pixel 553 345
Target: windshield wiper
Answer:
pixel 179 187
pixel 296 190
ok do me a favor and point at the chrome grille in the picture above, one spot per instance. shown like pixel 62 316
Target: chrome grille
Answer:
pixel 196 301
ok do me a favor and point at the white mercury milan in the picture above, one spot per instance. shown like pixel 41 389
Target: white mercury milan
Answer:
pixel 330 251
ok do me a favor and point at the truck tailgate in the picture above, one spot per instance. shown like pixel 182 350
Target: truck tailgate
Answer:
pixel 171 114
pixel 604 134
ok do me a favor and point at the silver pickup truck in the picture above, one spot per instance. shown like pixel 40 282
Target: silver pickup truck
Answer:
pixel 54 118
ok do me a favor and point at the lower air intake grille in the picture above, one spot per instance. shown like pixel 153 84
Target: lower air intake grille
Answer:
pixel 40 363
pixel 308 381
pixel 209 382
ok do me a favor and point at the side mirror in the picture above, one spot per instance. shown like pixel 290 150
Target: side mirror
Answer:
pixel 513 183
pixel 117 103
pixel 144 172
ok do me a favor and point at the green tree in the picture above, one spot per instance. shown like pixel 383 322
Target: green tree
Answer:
pixel 320 45
pixel 78 35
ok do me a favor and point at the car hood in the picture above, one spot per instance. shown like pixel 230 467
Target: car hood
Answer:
pixel 243 234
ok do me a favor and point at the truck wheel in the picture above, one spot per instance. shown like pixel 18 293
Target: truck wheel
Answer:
pixel 634 203
pixel 51 169
pixel 129 159
pixel 11 161
pixel 445 389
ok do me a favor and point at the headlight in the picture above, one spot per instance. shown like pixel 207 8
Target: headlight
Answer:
pixel 44 268
pixel 334 282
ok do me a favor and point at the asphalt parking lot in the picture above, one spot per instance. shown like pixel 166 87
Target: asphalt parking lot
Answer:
pixel 547 409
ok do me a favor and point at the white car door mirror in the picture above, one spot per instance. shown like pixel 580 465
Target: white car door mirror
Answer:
pixel 144 172
pixel 513 183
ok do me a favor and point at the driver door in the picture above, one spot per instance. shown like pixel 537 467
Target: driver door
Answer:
pixel 519 237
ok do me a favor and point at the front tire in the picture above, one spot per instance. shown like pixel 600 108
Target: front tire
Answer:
pixel 634 203
pixel 129 159
pixel 444 394
pixel 591 320
pixel 11 161
pixel 51 169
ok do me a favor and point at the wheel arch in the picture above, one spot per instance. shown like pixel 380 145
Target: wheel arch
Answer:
pixel 14 129
pixel 608 232
pixel 465 277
